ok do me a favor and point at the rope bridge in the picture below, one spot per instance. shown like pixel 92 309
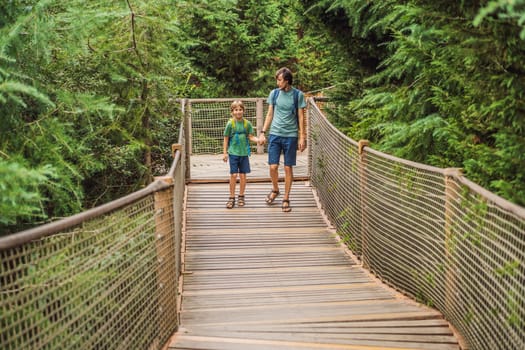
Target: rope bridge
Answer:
pixel 108 278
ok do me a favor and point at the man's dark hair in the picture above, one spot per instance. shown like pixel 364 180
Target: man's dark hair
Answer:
pixel 287 75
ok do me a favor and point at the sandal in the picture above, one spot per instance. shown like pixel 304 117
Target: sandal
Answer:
pixel 240 200
pixel 231 203
pixel 269 198
pixel 285 206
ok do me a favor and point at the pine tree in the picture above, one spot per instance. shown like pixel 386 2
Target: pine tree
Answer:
pixel 82 86
pixel 448 86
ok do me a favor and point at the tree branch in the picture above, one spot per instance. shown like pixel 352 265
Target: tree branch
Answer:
pixel 133 32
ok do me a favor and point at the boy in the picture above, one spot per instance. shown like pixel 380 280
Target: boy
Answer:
pixel 236 148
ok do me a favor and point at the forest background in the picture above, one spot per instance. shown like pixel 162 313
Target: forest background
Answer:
pixel 88 89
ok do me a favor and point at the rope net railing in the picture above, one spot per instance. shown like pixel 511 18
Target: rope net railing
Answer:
pixel 428 232
pixel 106 278
pixel 207 118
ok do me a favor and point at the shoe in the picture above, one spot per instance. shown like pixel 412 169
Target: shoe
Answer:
pixel 285 206
pixel 270 198
pixel 231 203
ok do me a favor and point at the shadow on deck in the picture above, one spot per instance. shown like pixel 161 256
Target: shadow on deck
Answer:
pixel 258 278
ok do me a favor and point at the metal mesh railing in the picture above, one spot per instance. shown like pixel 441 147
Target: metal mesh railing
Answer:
pixel 106 278
pixel 428 232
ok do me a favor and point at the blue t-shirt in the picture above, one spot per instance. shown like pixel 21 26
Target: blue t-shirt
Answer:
pixel 284 122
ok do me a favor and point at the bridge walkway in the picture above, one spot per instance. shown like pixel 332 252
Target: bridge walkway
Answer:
pixel 258 278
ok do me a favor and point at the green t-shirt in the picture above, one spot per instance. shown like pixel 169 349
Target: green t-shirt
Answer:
pixel 284 122
pixel 239 142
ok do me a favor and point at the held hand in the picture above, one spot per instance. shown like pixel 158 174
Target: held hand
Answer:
pixel 302 144
pixel 262 139
pixel 225 158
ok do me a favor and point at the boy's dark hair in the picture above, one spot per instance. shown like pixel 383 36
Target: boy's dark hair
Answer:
pixel 287 75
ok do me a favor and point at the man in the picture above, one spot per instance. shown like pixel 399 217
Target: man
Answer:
pixel 284 126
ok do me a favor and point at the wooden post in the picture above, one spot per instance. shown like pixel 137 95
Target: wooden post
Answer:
pixel 175 147
pixel 259 111
pixel 450 198
pixel 308 141
pixel 187 137
pixel 166 282
pixel 363 192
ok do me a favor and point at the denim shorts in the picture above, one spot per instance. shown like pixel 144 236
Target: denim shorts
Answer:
pixel 239 164
pixel 285 145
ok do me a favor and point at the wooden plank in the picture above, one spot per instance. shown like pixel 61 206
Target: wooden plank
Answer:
pixel 295 313
pixel 346 328
pixel 259 278
pixel 224 343
pixel 343 338
pixel 210 167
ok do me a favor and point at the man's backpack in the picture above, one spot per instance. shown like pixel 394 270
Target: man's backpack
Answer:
pixel 295 100
pixel 234 134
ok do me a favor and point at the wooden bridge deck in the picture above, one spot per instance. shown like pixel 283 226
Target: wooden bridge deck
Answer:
pixel 257 278
pixel 210 168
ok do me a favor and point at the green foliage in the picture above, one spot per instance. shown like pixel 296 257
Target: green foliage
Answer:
pixel 12 91
pixel 21 188
pixel 506 11
pixel 448 86
pixel 236 46
pixel 81 87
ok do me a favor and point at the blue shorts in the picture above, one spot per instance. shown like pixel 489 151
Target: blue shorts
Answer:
pixel 286 145
pixel 239 164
